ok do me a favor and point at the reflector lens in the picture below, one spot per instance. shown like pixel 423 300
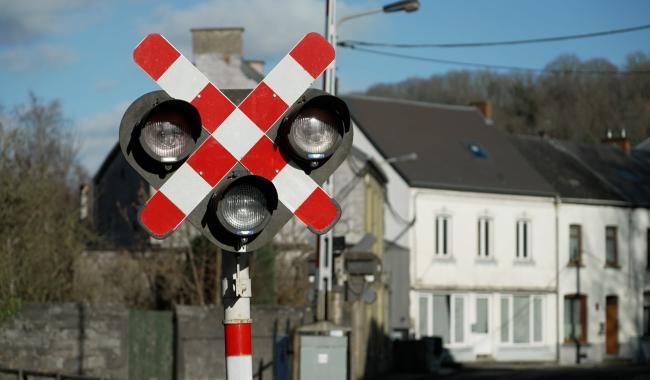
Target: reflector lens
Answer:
pixel 315 131
pixel 244 208
pixel 168 135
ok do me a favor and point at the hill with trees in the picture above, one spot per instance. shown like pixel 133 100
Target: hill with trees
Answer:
pixel 571 99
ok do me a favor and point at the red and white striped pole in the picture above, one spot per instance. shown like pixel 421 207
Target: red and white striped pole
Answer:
pixel 236 295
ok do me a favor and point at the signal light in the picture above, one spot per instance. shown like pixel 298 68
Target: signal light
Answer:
pixel 168 134
pixel 245 206
pixel 315 127
pixel 159 134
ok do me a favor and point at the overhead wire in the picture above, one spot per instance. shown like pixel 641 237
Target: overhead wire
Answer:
pixel 494 67
pixel 347 43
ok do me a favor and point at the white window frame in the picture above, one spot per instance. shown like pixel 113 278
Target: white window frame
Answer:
pixel 442 229
pixel 485 238
pixel 531 316
pixel 452 318
pixel 523 247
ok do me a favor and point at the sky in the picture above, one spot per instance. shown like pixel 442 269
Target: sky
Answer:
pixel 79 52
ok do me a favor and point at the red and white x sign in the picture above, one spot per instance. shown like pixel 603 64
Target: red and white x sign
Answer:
pixel 237 133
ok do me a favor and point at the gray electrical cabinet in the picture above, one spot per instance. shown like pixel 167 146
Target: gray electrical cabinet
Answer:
pixel 323 357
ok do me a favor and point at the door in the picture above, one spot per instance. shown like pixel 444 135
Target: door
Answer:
pixel 151 339
pixel 480 329
pixel 611 325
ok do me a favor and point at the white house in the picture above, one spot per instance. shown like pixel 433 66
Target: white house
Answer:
pixel 482 275
pixel 493 224
pixel 602 224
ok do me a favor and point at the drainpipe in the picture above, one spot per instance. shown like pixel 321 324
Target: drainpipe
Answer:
pixel 557 203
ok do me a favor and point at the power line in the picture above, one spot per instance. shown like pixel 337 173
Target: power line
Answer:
pixel 493 67
pixel 350 43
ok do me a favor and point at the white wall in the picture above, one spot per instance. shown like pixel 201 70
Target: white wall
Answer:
pixel 463 269
pixel 598 281
pixel 463 274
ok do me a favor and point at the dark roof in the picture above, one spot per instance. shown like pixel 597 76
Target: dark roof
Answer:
pixel 628 174
pixel 590 171
pixel 443 138
pixel 570 177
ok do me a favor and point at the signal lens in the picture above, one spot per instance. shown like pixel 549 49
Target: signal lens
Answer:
pixel 244 209
pixel 315 131
pixel 168 136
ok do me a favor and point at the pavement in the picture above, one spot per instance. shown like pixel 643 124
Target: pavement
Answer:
pixel 528 372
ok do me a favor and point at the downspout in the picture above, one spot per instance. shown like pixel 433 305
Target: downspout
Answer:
pixel 557 203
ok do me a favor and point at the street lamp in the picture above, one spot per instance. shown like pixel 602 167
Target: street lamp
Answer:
pixel 331 26
pixel 398 6
pixel 325 242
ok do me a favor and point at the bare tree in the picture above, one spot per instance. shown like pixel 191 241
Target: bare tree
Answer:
pixel 40 229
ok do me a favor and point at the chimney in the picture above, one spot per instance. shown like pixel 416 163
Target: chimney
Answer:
pixel 225 42
pixel 621 141
pixel 485 108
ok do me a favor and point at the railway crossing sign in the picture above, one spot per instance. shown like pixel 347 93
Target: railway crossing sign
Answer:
pixel 237 170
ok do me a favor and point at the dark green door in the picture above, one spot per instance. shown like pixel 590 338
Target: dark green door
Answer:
pixel 151 344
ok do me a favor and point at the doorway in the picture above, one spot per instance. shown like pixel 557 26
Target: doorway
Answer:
pixel 611 325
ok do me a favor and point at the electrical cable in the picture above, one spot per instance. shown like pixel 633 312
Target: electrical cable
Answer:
pixel 494 67
pixel 499 43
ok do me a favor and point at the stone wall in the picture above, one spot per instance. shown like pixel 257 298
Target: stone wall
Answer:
pixel 200 346
pixel 67 338
pixel 94 340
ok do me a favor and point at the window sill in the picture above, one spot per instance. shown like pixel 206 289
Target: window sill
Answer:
pixel 573 264
pixel 444 259
pixel 612 266
pixel 486 261
pixel 524 262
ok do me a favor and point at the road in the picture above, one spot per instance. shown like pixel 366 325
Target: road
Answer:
pixel 539 373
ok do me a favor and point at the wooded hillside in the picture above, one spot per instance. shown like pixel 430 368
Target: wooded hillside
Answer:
pixel 571 99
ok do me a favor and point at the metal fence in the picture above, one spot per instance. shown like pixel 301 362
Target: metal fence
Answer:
pixel 23 374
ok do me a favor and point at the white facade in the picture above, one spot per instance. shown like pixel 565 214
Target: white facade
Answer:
pixel 613 288
pixel 482 294
pixel 494 295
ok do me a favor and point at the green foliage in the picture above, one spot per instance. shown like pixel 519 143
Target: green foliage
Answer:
pixel 9 307
pixel 570 101
pixel 40 230
pixel 263 275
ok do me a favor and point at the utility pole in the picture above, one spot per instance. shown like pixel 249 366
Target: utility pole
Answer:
pixel 324 249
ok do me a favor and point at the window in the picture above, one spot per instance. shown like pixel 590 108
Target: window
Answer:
pixel 575 318
pixel 505 319
pixel 523 239
pixel 646 313
pixel 442 315
pixel 442 235
pixel 575 244
pixel 459 319
pixel 484 237
pixel 611 249
pixel 481 325
pixel 424 316
pixel 522 319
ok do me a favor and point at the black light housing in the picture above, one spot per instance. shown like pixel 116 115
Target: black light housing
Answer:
pixel 315 128
pixel 209 216
pixel 245 207
pixel 170 131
